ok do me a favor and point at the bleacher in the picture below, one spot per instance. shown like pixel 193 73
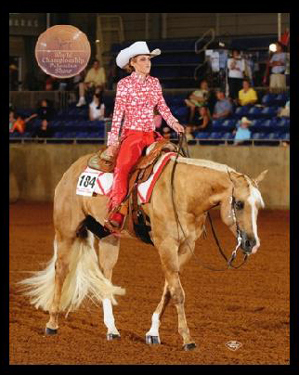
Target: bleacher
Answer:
pixel 175 70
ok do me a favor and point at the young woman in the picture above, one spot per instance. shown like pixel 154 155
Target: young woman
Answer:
pixel 136 97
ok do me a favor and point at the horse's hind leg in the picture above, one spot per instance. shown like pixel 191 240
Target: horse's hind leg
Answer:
pixel 108 255
pixel 64 248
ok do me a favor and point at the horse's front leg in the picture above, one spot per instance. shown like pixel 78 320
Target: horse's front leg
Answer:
pixel 152 336
pixel 108 255
pixel 168 251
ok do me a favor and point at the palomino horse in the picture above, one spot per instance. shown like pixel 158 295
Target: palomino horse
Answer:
pixel 77 270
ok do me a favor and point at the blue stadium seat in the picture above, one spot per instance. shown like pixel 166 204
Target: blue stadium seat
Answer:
pixel 229 124
pixel 268 99
pixel 258 136
pixel 285 136
pixel 202 135
pixel 254 112
pixel 228 136
pixel 268 112
pixel 217 124
pixel 256 125
pixel 241 111
pixel 216 135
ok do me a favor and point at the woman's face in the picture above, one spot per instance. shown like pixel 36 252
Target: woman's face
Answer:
pixel 202 111
pixel 142 64
pixel 204 85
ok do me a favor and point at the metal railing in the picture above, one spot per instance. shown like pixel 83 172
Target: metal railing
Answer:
pixel 193 142
pixel 198 51
pixel 30 99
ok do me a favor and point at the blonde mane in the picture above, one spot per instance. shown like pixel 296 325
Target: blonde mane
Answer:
pixel 205 163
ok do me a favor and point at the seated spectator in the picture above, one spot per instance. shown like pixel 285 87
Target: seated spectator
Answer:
pixel 285 111
pixel 166 132
pixel 247 96
pixel 95 81
pixel 97 108
pixel 44 131
pixel 198 98
pixel 204 122
pixel 189 133
pixel 17 123
pixel 242 133
pixel 223 107
pixel 12 119
pixel 278 67
pixel 44 111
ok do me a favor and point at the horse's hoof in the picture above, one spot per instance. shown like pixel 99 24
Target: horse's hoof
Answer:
pixel 152 340
pixel 50 331
pixel 189 347
pixel 113 336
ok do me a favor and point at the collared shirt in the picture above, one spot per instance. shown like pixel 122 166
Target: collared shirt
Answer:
pixel 279 69
pixel 237 71
pixel 222 106
pixel 248 96
pixel 135 100
pixel 96 77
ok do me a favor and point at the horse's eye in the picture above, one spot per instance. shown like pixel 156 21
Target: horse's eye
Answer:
pixel 239 205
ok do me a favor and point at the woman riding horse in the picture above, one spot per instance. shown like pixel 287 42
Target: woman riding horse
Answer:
pixel 136 97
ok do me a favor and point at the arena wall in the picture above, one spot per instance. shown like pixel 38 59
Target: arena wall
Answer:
pixel 35 169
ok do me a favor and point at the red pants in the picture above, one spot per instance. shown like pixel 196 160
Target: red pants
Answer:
pixel 134 141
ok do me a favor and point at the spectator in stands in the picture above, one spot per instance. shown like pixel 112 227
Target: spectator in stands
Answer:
pixel 97 107
pixel 197 99
pixel 285 111
pixel 247 96
pixel 12 119
pixel 204 123
pixel 44 112
pixel 189 133
pixel 242 133
pixel 166 132
pixel 223 107
pixel 95 80
pixel 278 67
pixel 44 131
pixel 17 122
pixel 236 69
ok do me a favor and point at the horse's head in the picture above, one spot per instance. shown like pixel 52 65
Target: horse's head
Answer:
pixel 239 209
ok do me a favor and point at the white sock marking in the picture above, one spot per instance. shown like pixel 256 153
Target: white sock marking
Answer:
pixel 108 316
pixel 154 330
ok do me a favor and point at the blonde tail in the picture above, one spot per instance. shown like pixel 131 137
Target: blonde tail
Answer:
pixel 84 279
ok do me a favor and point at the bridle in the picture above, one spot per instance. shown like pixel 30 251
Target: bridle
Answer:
pixel 229 261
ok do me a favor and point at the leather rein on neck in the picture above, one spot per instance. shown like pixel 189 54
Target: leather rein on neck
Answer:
pixel 229 261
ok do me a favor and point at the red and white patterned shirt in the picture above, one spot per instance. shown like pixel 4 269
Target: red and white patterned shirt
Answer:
pixel 135 100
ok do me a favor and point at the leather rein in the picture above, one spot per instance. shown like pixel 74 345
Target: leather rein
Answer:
pixel 229 261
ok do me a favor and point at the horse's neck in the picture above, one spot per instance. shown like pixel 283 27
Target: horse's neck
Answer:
pixel 203 187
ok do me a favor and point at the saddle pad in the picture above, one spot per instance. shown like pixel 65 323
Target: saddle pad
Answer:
pixel 104 180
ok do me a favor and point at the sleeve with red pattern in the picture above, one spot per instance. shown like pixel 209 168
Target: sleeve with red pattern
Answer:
pixel 164 109
pixel 119 108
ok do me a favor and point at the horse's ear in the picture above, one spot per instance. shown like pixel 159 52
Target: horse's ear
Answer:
pixel 260 177
pixel 236 178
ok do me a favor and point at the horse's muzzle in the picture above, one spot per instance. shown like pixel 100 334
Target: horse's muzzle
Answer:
pixel 248 243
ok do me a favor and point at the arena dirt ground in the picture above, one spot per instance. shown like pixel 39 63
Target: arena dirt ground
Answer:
pixel 249 305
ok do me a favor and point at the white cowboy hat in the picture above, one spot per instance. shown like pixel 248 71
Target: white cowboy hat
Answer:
pixel 137 48
pixel 245 119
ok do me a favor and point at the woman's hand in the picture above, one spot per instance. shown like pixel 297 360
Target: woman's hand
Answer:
pixel 112 150
pixel 178 128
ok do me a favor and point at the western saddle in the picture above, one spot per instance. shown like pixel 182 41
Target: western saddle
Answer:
pixel 140 173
